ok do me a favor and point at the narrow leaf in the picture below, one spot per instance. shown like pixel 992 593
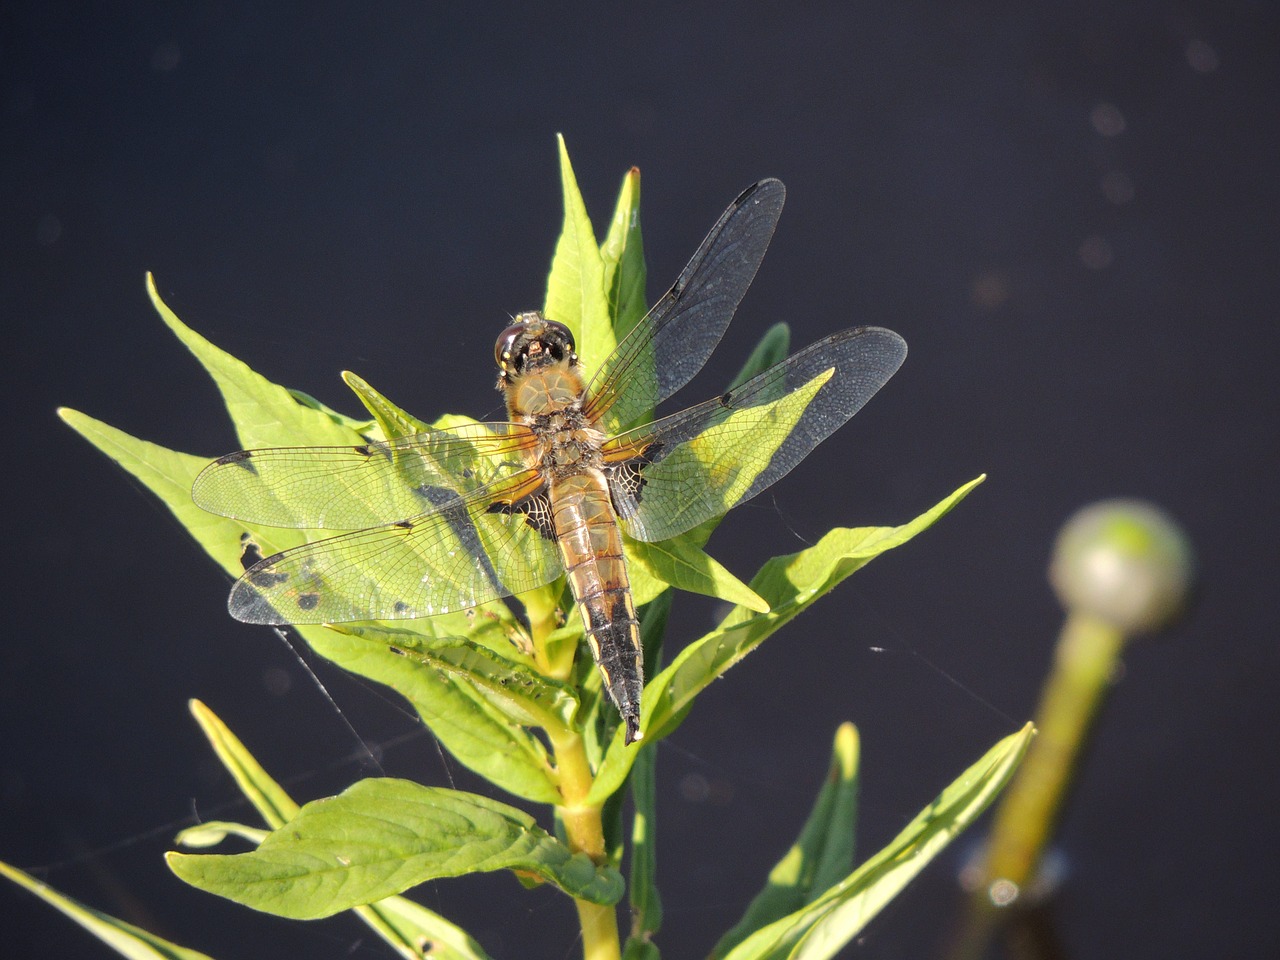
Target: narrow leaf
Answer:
pixel 268 797
pixel 124 938
pixel 774 347
pixel 395 423
pixel 576 287
pixel 523 696
pixel 213 832
pixel 820 929
pixel 821 855
pixel 623 256
pixel 683 564
pixel 472 731
pixel 646 905
pixel 265 414
pixel 383 836
pixel 408 927
pixel 789 584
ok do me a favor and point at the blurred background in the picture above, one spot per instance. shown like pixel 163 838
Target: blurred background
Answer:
pixel 1068 210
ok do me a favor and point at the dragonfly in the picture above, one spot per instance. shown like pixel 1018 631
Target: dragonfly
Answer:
pixel 448 519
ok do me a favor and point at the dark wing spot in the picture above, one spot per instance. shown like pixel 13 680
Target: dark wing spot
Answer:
pixel 404 524
pixel 308 601
pixel 250 552
pixel 401 608
pixel 626 480
pixel 536 508
pixel 240 458
pixel 258 570
pixel 364 450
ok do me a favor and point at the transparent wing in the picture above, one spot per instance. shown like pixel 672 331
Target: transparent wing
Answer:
pixel 431 543
pixel 670 345
pixel 349 488
pixel 456 556
pixel 697 464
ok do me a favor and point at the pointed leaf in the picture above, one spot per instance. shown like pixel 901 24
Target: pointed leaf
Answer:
pixel 684 565
pixel 789 585
pixel 521 695
pixel 265 415
pixel 472 730
pixel 774 347
pixel 383 836
pixel 213 832
pixel 269 414
pixel 124 938
pixel 395 423
pixel 273 804
pixel 820 929
pixel 403 924
pixel 646 905
pixel 575 288
pixel 822 854
pixel 623 256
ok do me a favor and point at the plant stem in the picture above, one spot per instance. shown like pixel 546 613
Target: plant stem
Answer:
pixel 1084 664
pixel 583 827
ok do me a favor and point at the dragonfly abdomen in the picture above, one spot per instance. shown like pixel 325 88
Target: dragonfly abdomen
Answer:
pixel 591 545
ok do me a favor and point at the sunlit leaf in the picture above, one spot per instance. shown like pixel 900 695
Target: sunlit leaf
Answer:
pixel 124 938
pixel 405 925
pixel 266 414
pixel 383 836
pixel 789 584
pixel 821 855
pixel 623 255
pixel 576 287
pixel 821 928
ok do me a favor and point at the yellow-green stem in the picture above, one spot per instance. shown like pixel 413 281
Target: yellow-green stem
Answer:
pixel 583 826
pixel 1084 663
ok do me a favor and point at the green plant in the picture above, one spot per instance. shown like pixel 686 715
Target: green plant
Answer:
pixel 509 711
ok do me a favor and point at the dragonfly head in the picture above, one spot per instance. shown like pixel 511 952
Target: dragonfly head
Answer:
pixel 531 342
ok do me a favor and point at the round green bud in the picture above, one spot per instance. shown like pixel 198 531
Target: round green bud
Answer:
pixel 1126 562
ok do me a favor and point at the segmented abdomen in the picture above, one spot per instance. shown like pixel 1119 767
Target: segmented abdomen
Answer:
pixel 591 544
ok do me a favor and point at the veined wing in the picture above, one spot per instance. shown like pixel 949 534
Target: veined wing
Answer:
pixel 674 340
pixel 698 463
pixel 425 540
pixel 455 555
pixel 349 488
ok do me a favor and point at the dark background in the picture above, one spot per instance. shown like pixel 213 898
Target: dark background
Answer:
pixel 1069 211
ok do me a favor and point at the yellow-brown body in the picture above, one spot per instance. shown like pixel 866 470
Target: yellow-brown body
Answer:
pixel 545 391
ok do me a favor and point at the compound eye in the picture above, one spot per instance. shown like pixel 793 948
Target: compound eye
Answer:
pixel 506 341
pixel 563 332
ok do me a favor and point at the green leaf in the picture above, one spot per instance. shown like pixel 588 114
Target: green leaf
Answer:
pixel 270 800
pixel 124 938
pixel 623 256
pixel 393 421
pixel 523 696
pixel 266 414
pixel 822 854
pixel 789 584
pixel 383 836
pixel 576 287
pixel 213 832
pixel 821 928
pixel 774 347
pixel 405 925
pixel 646 905
pixel 683 564
pixel 471 729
